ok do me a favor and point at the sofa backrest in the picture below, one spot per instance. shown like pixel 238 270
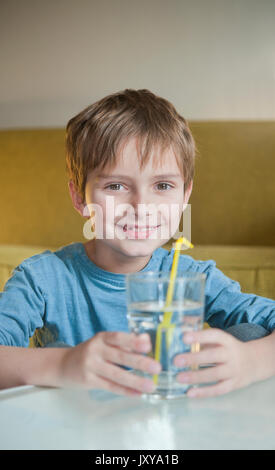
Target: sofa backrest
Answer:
pixel 232 203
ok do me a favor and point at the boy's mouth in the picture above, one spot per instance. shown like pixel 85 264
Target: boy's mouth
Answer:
pixel 138 231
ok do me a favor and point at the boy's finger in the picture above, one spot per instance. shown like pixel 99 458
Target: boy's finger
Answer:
pixel 130 359
pixel 211 335
pixel 209 374
pixel 113 387
pixel 207 356
pixel 220 388
pixel 125 378
pixel 128 341
pixel 203 347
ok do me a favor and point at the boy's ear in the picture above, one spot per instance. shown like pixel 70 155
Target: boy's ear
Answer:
pixel 187 192
pixel 77 201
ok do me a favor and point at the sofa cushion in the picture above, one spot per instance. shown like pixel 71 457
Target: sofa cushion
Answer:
pixel 252 267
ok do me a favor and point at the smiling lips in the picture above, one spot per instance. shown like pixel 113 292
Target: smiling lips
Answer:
pixel 141 232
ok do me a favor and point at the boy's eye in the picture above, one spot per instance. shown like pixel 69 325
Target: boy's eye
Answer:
pixel 164 186
pixel 114 186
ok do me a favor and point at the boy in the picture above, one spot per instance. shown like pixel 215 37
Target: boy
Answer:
pixel 129 150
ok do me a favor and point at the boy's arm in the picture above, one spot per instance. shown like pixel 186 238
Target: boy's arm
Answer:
pixel 236 363
pixel 262 353
pixel 22 306
pixel 91 364
pixel 226 305
pixel 30 366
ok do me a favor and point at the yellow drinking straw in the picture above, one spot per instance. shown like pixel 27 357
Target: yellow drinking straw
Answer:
pixel 167 315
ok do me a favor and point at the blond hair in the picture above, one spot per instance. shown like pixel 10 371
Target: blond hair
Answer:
pixel 95 135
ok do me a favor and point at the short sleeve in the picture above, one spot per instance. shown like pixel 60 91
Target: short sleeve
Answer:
pixel 227 305
pixel 22 306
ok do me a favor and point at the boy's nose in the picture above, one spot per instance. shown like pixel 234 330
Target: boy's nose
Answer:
pixel 140 204
pixel 144 209
pixel 139 198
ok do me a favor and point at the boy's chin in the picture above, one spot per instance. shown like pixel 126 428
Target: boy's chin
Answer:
pixel 136 248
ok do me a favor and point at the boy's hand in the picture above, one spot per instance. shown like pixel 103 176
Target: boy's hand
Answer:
pixel 233 366
pixel 95 363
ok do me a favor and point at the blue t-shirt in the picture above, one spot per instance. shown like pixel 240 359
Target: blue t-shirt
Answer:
pixel 68 298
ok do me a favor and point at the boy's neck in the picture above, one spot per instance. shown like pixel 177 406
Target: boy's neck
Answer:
pixel 112 261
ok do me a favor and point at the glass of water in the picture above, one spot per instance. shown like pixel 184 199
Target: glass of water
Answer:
pixel 147 312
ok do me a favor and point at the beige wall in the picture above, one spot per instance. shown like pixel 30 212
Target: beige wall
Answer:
pixel 214 59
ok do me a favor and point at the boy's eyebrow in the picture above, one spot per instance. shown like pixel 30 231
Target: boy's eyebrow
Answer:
pixel 168 175
pixel 113 176
pixel 129 177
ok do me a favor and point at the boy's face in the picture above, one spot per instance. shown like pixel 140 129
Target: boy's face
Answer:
pixel 138 209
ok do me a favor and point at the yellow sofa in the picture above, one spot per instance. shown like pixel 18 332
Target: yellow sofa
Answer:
pixel 233 199
pixel 232 202
pixel 253 267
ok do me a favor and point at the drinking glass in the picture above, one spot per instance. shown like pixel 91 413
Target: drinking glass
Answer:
pixel 148 312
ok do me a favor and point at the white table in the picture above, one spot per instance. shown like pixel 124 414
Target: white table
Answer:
pixel 48 418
